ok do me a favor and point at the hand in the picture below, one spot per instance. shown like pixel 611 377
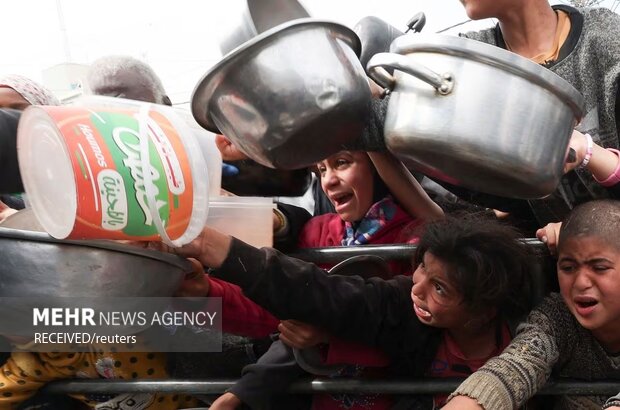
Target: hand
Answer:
pixel 375 89
pixel 579 144
pixel 550 235
pixel 196 283
pixel 228 150
pixel 613 408
pixel 210 248
pixel 225 402
pixel 5 211
pixel 462 403
pixel 301 335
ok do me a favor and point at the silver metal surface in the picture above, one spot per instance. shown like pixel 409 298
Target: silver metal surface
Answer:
pixel 375 35
pixel 339 385
pixel 257 16
pixel 37 265
pixel 290 97
pixel 503 129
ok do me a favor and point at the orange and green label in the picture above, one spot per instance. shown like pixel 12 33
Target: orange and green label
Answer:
pixel 105 146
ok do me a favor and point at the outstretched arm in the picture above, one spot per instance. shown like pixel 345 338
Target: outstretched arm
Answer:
pixel 374 312
pixel 510 379
pixel 405 187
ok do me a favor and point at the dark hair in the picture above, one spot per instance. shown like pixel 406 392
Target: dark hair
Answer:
pixel 379 189
pixel 600 218
pixel 487 262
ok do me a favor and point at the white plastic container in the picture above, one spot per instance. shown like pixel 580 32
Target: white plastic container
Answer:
pixel 247 218
pixel 83 170
pixel 210 152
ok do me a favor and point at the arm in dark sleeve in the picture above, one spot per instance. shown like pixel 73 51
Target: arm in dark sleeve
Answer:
pixel 296 217
pixel 271 375
pixel 374 312
pixel 10 179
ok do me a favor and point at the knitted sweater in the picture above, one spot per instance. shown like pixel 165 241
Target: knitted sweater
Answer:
pixel 550 341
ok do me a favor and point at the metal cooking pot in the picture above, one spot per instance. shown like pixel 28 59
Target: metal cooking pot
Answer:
pixel 257 16
pixel 36 265
pixel 290 97
pixel 476 115
pixel 375 35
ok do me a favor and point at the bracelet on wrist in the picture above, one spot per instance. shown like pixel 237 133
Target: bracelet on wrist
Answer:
pixel 589 147
pixel 614 177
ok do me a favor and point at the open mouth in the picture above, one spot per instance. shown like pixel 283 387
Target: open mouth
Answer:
pixel 421 313
pixel 341 199
pixel 585 304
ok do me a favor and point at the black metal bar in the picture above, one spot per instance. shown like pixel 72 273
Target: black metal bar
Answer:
pixel 396 387
pixel 337 254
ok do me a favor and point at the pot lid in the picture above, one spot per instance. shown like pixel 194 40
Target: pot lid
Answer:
pixel 493 56
pixel 216 75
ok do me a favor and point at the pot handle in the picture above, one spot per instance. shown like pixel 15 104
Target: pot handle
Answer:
pixel 443 83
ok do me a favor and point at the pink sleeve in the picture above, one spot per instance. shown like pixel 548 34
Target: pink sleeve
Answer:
pixel 241 316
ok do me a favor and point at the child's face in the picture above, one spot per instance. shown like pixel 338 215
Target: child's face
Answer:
pixel 589 276
pixel 436 302
pixel 347 180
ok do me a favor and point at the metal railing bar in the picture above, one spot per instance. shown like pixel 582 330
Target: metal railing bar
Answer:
pixel 396 387
pixel 337 254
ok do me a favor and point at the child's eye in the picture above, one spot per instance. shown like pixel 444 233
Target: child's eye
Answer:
pixel 566 268
pixel 341 162
pixel 439 289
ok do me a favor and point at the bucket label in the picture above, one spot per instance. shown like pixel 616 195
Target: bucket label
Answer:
pixel 107 150
pixel 113 200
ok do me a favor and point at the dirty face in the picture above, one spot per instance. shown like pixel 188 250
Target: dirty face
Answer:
pixel 347 180
pixel 436 301
pixel 589 276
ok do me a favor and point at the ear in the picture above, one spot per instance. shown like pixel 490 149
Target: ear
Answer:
pixel 166 100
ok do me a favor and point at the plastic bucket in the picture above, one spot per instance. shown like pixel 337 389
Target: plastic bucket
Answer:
pixel 83 169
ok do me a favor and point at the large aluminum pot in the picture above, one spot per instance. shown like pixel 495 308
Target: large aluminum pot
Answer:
pixel 35 265
pixel 476 115
pixel 290 97
pixel 257 16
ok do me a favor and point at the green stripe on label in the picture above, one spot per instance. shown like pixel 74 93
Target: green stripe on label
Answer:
pixel 78 155
pixel 175 201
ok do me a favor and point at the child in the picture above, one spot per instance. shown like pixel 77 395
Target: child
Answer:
pixel 572 334
pixel 471 278
pixel 366 213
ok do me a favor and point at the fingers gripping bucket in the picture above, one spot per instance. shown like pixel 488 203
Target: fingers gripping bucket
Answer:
pixel 129 172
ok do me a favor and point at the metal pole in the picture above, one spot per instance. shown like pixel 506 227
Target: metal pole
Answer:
pixel 395 387
pixel 63 31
